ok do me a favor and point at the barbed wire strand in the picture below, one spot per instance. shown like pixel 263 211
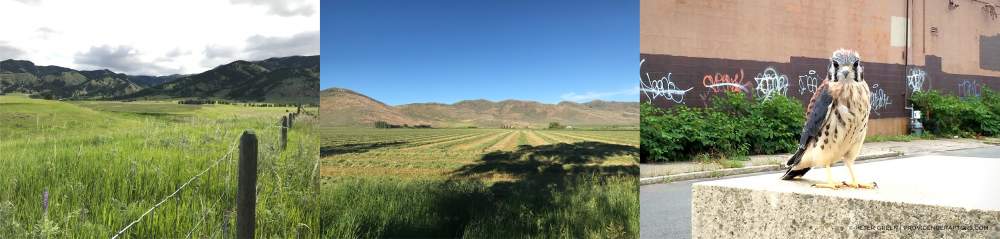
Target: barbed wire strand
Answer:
pixel 231 148
pixel 203 214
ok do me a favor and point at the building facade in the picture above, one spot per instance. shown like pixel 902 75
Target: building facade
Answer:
pixel 691 50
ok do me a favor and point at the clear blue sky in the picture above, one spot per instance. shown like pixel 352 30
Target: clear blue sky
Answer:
pixel 406 51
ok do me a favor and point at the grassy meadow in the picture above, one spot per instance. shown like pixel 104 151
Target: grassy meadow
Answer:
pixel 479 183
pixel 102 164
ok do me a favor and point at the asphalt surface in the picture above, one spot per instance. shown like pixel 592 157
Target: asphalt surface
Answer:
pixel 665 209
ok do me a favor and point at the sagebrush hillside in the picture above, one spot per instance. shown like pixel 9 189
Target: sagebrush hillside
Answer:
pixel 55 82
pixel 343 107
pixel 293 79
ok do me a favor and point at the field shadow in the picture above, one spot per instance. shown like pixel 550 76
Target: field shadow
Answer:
pixel 542 181
pixel 559 190
pixel 355 148
pixel 528 161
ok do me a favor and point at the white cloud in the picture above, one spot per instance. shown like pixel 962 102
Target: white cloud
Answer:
pixel 29 2
pixel 45 32
pixel 284 8
pixel 606 95
pixel 217 55
pixel 261 47
pixel 165 36
pixel 9 52
pixel 119 59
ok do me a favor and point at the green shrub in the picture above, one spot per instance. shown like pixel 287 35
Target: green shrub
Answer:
pixel 948 115
pixel 774 126
pixel 732 126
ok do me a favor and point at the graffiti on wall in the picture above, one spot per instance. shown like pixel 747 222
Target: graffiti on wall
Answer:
pixel 968 88
pixel 695 81
pixel 915 79
pixel 808 82
pixel 879 100
pixel 663 87
pixel 770 83
pixel 720 82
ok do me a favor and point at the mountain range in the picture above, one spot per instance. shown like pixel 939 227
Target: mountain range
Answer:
pixel 293 79
pixel 344 107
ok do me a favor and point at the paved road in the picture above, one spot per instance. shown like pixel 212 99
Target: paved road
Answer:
pixel 665 209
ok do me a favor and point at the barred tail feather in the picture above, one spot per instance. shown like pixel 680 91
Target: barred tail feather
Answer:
pixel 794 160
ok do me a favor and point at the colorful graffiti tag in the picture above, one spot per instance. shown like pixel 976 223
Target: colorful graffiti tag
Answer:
pixel 878 99
pixel 719 82
pixel 915 79
pixel 808 82
pixel 663 87
pixel 770 83
pixel 968 88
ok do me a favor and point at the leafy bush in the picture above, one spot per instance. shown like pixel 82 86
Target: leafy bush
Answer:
pixel 556 125
pixel 732 126
pixel 948 115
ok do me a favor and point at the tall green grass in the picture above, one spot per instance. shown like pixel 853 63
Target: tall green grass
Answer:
pixel 567 206
pixel 102 169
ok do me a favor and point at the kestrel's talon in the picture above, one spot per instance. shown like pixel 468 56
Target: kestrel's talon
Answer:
pixel 827 185
pixel 872 185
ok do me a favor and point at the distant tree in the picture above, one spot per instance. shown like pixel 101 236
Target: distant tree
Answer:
pixel 555 125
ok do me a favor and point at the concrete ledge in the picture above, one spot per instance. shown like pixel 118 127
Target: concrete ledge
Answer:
pixel 737 171
pixel 921 197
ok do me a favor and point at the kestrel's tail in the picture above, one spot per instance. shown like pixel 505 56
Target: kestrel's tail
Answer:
pixel 794 160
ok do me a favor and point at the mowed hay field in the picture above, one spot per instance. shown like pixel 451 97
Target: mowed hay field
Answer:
pixel 479 183
pixel 103 164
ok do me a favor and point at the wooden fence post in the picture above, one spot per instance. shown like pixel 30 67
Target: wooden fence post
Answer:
pixel 284 121
pixel 284 137
pixel 291 119
pixel 246 194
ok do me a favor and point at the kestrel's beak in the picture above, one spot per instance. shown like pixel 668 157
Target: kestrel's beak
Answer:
pixel 843 72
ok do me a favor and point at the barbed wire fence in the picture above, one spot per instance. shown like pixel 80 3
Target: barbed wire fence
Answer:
pixel 246 195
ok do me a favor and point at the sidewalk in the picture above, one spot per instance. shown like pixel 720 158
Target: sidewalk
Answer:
pixel 679 171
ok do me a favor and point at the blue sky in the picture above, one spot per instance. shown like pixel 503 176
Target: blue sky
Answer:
pixel 405 51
